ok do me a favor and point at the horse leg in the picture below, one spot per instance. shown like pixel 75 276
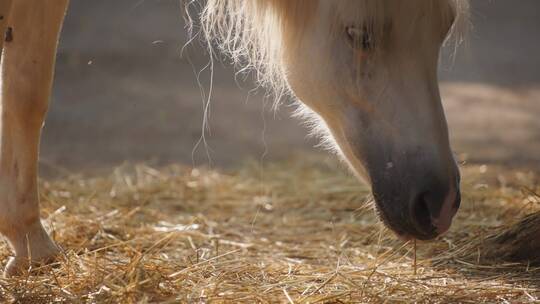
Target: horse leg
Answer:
pixel 5 7
pixel 28 59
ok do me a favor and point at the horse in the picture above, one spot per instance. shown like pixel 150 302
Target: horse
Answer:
pixel 364 73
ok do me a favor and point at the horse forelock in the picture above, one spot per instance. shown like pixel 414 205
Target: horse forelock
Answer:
pixel 251 32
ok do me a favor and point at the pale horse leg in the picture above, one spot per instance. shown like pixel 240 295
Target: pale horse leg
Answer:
pixel 29 50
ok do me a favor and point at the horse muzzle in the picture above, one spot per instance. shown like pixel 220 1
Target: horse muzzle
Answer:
pixel 415 200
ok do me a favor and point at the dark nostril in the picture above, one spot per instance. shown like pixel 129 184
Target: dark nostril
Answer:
pixel 422 215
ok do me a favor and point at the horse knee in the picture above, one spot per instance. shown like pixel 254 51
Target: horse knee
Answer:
pixel 27 113
pixel 17 210
pixel 16 216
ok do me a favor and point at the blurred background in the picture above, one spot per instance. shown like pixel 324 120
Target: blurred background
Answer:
pixel 124 92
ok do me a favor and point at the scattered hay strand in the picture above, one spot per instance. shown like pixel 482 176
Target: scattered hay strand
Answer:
pixel 301 235
pixel 414 260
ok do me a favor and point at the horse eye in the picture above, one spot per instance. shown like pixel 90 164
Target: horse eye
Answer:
pixel 359 38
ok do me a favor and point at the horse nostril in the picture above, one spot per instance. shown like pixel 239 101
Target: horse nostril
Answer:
pixel 432 212
pixel 422 215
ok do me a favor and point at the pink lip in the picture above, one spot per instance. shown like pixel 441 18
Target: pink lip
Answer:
pixel 443 222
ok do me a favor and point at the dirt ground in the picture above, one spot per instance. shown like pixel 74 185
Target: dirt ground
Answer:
pixel 123 92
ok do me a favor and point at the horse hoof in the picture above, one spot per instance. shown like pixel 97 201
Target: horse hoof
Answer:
pixel 16 267
pixel 22 266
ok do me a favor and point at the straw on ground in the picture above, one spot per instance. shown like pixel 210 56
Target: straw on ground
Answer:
pixel 300 232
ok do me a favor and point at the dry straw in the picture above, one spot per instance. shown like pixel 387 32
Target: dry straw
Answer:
pixel 301 232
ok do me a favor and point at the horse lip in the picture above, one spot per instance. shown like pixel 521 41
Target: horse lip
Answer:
pixel 444 220
pixel 444 224
pixel 441 226
pixel 406 237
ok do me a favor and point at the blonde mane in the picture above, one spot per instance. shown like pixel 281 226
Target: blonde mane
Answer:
pixel 251 32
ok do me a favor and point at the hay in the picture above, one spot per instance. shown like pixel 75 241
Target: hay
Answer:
pixel 296 232
pixel 519 242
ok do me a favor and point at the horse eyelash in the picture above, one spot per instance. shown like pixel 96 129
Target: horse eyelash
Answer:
pixel 359 38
